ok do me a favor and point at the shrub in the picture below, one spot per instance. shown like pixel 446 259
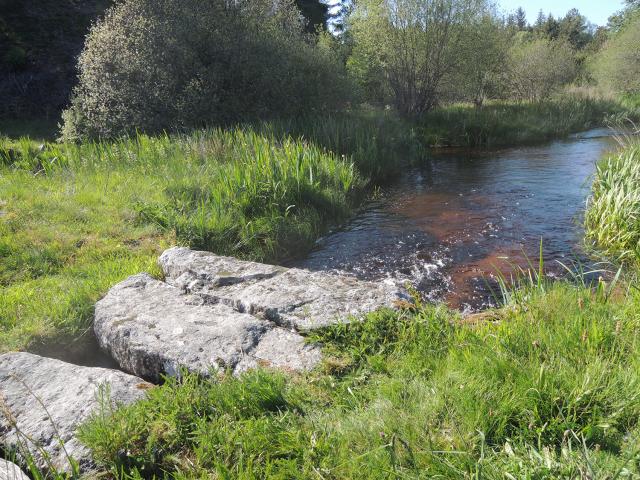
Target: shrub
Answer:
pixel 157 65
pixel 617 65
pixel 404 50
pixel 540 68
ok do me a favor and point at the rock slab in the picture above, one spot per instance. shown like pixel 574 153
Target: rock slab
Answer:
pixel 218 313
pixel 10 471
pixel 291 297
pixel 151 328
pixel 43 401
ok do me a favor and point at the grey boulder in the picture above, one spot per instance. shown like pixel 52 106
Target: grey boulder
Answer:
pixel 215 313
pixel 291 297
pixel 152 328
pixel 43 401
pixel 10 471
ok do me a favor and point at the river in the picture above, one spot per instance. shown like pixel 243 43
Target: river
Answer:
pixel 452 224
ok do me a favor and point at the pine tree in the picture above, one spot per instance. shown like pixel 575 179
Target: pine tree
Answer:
pixel 315 12
pixel 521 19
pixel 540 21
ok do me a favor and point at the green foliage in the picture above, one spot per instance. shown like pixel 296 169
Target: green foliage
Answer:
pixel 573 28
pixel 612 218
pixel 404 50
pixel 548 391
pixel 77 218
pixel 616 67
pixel 506 123
pixel 484 53
pixel 423 55
pixel 539 68
pixel 15 57
pixel 379 142
pixel 157 66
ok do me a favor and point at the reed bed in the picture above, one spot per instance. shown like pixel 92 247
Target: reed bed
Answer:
pixel 509 123
pixel 612 217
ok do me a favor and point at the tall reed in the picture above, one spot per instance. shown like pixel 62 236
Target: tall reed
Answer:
pixel 612 218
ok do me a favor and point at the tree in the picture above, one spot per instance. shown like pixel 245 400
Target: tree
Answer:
pixel 540 21
pixel 627 15
pixel 540 67
pixel 551 28
pixel 617 66
pixel 521 19
pixel 164 64
pixel 484 54
pixel 315 13
pixel 406 48
pixel 575 29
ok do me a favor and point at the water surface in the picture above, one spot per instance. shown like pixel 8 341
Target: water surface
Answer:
pixel 450 225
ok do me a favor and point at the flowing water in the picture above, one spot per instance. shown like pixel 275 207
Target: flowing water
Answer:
pixel 452 224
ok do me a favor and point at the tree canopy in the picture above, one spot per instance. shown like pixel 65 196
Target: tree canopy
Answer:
pixel 164 64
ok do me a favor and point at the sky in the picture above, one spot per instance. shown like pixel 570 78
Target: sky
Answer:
pixel 597 11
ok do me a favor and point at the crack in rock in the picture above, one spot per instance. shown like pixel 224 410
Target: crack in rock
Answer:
pixel 293 297
pixel 152 328
pixel 217 313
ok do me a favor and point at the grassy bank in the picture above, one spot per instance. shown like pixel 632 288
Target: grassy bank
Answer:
pixel 545 387
pixel 550 388
pixel 76 219
pixel 612 219
pixel 509 123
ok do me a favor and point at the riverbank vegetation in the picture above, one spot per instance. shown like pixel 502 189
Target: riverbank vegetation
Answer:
pixel 78 218
pixel 612 217
pixel 544 388
pixel 500 123
pixel 243 131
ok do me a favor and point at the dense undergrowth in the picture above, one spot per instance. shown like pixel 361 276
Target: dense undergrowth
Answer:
pixel 77 218
pixel 507 123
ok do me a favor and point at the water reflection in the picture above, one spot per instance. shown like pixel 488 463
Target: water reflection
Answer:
pixel 450 224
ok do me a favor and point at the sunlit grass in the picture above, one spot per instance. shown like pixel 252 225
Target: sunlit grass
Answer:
pixel 77 218
pixel 509 123
pixel 612 217
pixel 550 389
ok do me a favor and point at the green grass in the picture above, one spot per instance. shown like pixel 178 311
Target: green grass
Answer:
pixel 508 123
pixel 546 387
pixel 381 144
pixel 76 219
pixel 550 389
pixel 612 217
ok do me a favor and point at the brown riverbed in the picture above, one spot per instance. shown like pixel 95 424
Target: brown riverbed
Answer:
pixel 453 224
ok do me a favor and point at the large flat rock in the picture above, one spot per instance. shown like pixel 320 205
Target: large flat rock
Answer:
pixel 152 328
pixel 293 298
pixel 217 313
pixel 43 401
